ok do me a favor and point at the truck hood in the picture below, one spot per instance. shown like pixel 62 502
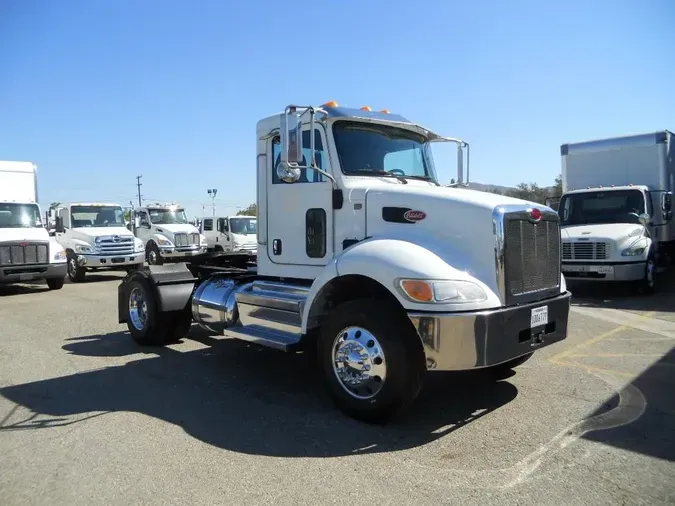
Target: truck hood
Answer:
pixel 616 232
pixel 455 224
pixel 90 233
pixel 24 234
pixel 177 228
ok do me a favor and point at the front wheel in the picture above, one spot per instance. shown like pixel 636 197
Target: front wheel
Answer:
pixel 153 256
pixel 647 285
pixel 76 273
pixel 55 283
pixel 371 359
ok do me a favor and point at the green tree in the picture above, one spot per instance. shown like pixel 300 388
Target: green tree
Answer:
pixel 251 210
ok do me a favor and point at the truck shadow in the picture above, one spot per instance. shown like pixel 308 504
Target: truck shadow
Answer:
pixel 623 296
pixel 10 290
pixel 652 433
pixel 244 398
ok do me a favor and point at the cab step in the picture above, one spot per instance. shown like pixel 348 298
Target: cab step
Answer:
pixel 277 339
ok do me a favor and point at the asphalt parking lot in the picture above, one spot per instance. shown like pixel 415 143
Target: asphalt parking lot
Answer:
pixel 87 417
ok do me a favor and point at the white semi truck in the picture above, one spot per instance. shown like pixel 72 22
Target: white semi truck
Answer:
pixel 167 233
pixel 95 238
pixel 368 264
pixel 231 234
pixel 27 252
pixel 616 208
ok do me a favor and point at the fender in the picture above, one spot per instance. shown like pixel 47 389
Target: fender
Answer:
pixel 157 235
pixel 385 260
pixel 172 286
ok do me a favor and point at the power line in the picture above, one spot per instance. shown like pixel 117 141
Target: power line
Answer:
pixel 139 184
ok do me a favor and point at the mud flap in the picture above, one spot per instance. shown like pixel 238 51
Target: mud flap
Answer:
pixel 172 286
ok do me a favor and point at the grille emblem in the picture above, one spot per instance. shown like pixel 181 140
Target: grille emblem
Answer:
pixel 535 215
pixel 116 238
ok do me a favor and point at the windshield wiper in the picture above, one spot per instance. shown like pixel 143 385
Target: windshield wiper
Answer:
pixel 379 172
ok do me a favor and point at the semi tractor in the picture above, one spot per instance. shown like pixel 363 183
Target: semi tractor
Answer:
pixel 231 234
pixel 95 238
pixel 616 209
pixel 368 264
pixel 167 234
pixel 27 252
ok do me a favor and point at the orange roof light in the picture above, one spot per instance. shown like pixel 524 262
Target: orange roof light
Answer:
pixel 366 108
pixel 385 111
pixel 332 103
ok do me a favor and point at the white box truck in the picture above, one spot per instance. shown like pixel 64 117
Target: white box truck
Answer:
pixel 231 234
pixel 616 208
pixel 367 263
pixel 95 238
pixel 27 252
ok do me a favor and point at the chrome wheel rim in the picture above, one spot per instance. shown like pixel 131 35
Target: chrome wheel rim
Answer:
pixel 152 257
pixel 359 363
pixel 138 309
pixel 650 273
pixel 72 267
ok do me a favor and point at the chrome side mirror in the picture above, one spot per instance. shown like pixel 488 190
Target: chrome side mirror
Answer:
pixel 287 173
pixel 644 219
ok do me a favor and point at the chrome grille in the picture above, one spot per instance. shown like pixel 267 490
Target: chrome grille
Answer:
pixel 183 240
pixel 585 251
pixel 531 256
pixel 24 254
pixel 116 245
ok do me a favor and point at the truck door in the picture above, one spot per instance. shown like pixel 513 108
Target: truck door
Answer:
pixel 143 231
pixel 300 214
pixel 207 230
pixel 224 234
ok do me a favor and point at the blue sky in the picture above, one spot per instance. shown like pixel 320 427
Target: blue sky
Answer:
pixel 96 92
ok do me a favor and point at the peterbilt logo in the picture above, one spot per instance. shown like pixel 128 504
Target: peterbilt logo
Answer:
pixel 414 216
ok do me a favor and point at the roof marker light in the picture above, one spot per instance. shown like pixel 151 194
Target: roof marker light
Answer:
pixel 366 108
pixel 385 111
pixel 332 103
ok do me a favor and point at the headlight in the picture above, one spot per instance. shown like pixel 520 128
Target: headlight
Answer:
pixel 164 242
pixel 634 250
pixel 83 249
pixel 140 246
pixel 452 292
pixel 60 255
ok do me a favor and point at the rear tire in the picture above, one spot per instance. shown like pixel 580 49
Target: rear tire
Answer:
pixel 375 337
pixel 55 283
pixel 146 325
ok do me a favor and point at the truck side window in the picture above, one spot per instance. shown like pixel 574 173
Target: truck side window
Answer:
pixel 222 225
pixel 208 224
pixel 315 230
pixel 144 218
pixel 306 176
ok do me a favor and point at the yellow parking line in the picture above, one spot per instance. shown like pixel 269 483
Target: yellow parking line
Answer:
pixel 615 355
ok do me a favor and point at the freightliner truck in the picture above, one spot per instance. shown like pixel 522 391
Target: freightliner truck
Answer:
pixel 27 252
pixel 368 264
pixel 616 209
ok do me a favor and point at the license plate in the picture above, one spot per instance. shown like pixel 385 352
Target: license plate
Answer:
pixel 25 277
pixel 539 317
pixel 604 269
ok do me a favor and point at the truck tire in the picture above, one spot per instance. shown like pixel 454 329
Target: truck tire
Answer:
pixel 146 324
pixel 373 333
pixel 647 285
pixel 76 273
pixel 133 267
pixel 152 255
pixel 55 283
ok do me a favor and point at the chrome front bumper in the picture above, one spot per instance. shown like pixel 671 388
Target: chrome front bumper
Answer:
pixel 463 341
pixel 579 271
pixel 172 252
pixel 89 260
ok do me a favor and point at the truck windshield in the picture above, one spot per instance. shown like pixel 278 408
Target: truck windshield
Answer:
pixel 168 216
pixel 19 216
pixel 366 149
pixel 97 216
pixel 615 206
pixel 243 226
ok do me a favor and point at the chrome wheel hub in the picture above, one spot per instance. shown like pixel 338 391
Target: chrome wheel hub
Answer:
pixel 152 257
pixel 359 363
pixel 138 309
pixel 72 266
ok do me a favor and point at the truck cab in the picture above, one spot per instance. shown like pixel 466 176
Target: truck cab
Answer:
pixel 370 266
pixel 231 234
pixel 27 252
pixel 616 209
pixel 95 238
pixel 167 234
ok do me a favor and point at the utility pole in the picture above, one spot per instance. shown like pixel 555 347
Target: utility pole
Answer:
pixel 212 193
pixel 139 184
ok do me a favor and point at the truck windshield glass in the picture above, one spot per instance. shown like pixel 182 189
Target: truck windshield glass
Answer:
pixel 19 216
pixel 366 149
pixel 168 216
pixel 97 216
pixel 243 226
pixel 618 206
